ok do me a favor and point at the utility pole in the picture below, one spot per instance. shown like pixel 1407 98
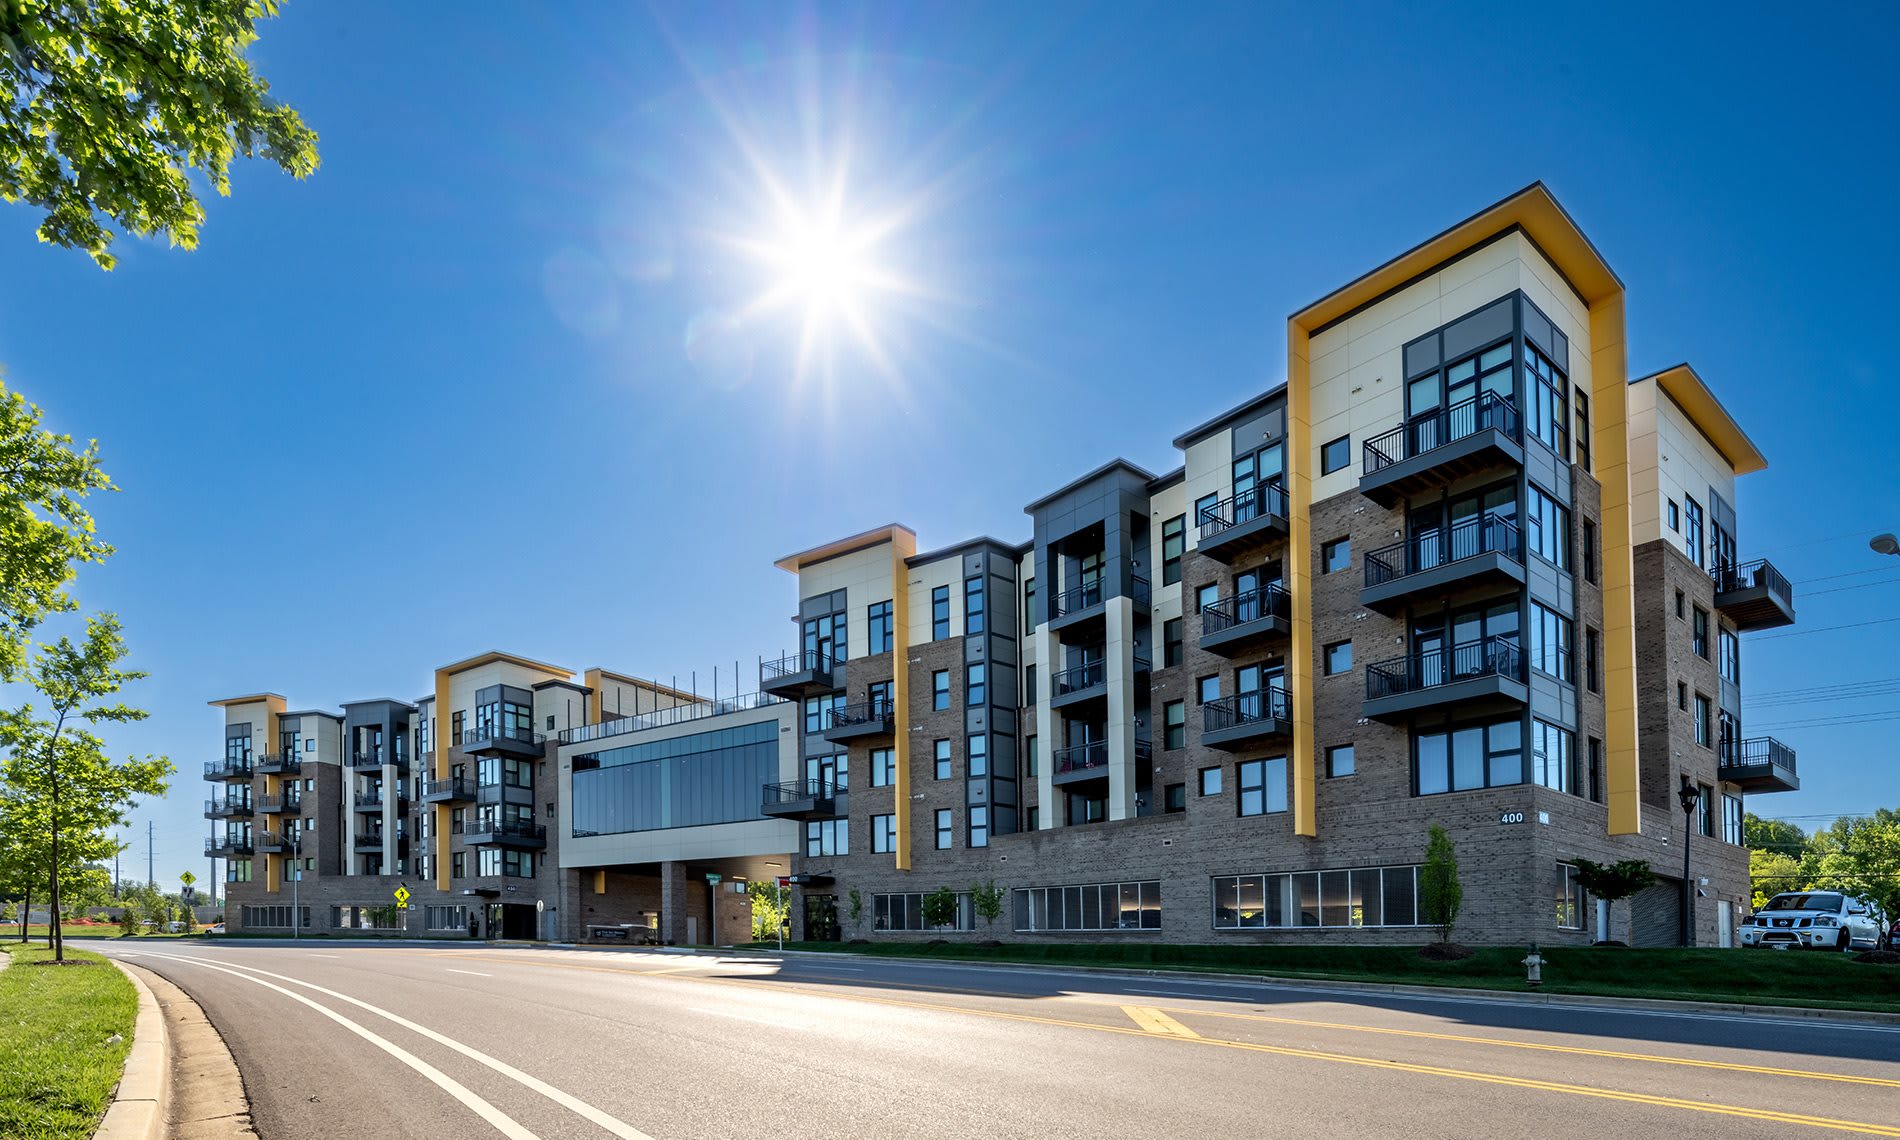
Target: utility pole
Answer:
pixel 151 876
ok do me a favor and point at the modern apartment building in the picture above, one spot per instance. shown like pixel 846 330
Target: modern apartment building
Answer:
pixel 1459 569
pixel 461 799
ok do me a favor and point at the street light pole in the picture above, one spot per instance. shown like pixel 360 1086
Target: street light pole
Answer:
pixel 1689 798
pixel 296 907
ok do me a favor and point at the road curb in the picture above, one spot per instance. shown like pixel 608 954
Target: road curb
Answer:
pixel 144 1092
pixel 1653 1005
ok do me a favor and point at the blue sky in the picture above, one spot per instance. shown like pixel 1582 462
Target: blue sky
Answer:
pixel 490 378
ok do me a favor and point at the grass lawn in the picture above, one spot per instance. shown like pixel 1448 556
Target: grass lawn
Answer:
pixel 57 1072
pixel 10 931
pixel 1762 977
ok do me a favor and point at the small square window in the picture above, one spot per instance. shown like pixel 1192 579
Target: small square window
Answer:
pixel 1339 760
pixel 1177 797
pixel 1335 455
pixel 943 760
pixel 1206 596
pixel 1335 555
pixel 1210 781
pixel 1207 689
pixel 1338 658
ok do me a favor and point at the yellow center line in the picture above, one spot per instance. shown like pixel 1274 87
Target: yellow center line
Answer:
pixel 1154 1021
pixel 806 989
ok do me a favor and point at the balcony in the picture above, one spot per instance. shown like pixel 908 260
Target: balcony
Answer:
pixel 799 799
pixel 227 809
pixel 371 801
pixel 273 843
pixel 1762 764
pixel 1246 720
pixel 370 761
pixel 796 676
pixel 1079 685
pixel 229 769
pixel 1753 595
pixel 367 841
pixel 864 721
pixel 279 805
pixel 505 833
pixel 1081 763
pixel 495 740
pixel 225 846
pixel 1085 606
pixel 1236 527
pixel 1486 675
pixel 1479 434
pixel 279 764
pixel 454 790
pixel 1483 551
pixel 1246 621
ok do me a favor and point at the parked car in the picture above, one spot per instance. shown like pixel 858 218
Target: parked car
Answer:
pixel 1818 920
pixel 215 928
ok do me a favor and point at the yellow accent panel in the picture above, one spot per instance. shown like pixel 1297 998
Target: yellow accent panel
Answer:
pixel 600 882
pixel 592 680
pixel 1710 417
pixel 903 545
pixel 440 767
pixel 1609 431
pixel 1298 572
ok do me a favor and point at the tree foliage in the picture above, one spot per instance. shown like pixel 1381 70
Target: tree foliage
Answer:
pixel 1613 881
pixel 1440 893
pixel 45 529
pixel 1858 855
pixel 107 107
pixel 771 904
pixel 64 794
pixel 940 907
pixel 987 898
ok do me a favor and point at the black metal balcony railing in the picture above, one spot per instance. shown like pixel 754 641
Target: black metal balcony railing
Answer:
pixel 228 807
pixel 1756 752
pixel 864 712
pixel 369 801
pixel 1245 708
pixel 1081 757
pixel 793 791
pixel 279 763
pixel 797 661
pixel 220 845
pixel 518 735
pixel 370 760
pixel 506 829
pixel 1430 549
pixel 1493 656
pixel 459 787
pixel 269 805
pixel 1243 507
pixel 1748 575
pixel 369 839
pixel 220 769
pixel 1078 678
pixel 1246 606
pixel 1077 599
pixel 1448 425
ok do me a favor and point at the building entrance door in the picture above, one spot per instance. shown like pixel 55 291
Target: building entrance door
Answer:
pixel 821 918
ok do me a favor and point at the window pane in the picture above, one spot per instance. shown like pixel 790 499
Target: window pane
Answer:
pixel 1251 904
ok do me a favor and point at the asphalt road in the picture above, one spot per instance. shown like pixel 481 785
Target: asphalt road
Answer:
pixel 388 1041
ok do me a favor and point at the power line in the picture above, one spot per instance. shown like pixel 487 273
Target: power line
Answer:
pixel 1844 589
pixel 1848 574
pixel 1833 721
pixel 1827 629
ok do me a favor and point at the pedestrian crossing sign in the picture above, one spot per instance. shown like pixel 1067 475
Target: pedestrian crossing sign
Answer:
pixel 402 898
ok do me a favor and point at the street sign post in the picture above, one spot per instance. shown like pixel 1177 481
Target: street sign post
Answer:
pixel 712 907
pixel 402 898
pixel 784 881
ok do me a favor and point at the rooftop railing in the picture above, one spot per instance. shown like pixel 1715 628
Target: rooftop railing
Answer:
pixel 661 718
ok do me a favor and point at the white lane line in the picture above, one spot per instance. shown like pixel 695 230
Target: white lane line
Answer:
pixel 505 1124
pixel 836 969
pixel 566 1100
pixel 475 973
pixel 314 954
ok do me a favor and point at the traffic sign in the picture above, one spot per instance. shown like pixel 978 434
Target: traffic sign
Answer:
pixel 713 877
pixel 784 880
pixel 540 905
pixel 402 898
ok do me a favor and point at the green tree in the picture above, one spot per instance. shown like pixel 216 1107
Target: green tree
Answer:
pixel 1613 881
pixel 1770 873
pixel 58 769
pixel 988 901
pixel 1760 834
pixel 1440 894
pixel 1859 855
pixel 770 905
pixel 854 906
pixel 45 530
pixel 940 907
pixel 108 106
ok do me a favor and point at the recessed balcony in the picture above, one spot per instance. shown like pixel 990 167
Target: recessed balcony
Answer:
pixel 453 790
pixel 1481 676
pixel 1483 551
pixel 1479 434
pixel 795 676
pixel 370 761
pixel 1083 763
pixel 1243 622
pixel 505 833
pixel 1761 764
pixel 867 720
pixel 227 809
pixel 1083 610
pixel 367 841
pixel 230 769
pixel 1243 523
pixel 279 764
pixel 799 799
pixel 1246 720
pixel 279 805
pixel 495 740
pixel 1753 595
pixel 369 801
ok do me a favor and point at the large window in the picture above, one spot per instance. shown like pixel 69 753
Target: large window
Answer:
pixel 688 781
pixel 883 834
pixel 501 711
pixel 979 825
pixel 1335 555
pixel 1358 896
pixel 827 636
pixel 979 754
pixel 1547 529
pixel 1546 392
pixel 975 690
pixel 827 837
pixel 1029 606
pixel 940 689
pixel 1553 760
pixel 973 605
pixel 445 917
pixel 1732 820
pixel 906 912
pixel 1699 632
pixel 1093 906
pixel 1171 654
pixel 1729 660
pixel 942 759
pixel 1692 529
pixel 1475 756
pixel 1550 642
pixel 1702 720
pixel 1568 895
pixel 877 617
pixel 505 862
pixel 940 613
pixel 272 917
pixel 1261 786
pixel 946 829
pixel 1174 725
pixel 1338 658
pixel 1173 543
pixel 1583 429
pixel 883 767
